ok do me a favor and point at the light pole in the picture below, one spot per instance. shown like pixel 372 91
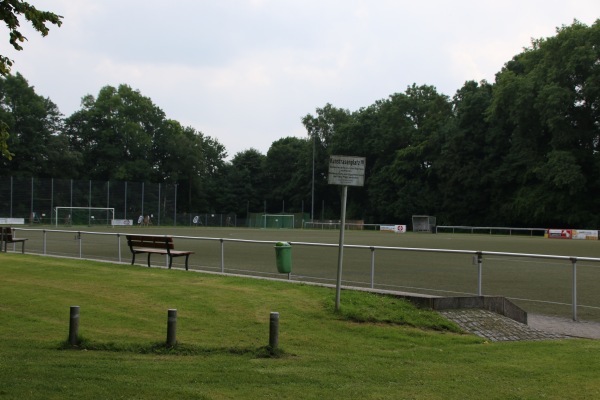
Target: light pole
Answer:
pixel 312 200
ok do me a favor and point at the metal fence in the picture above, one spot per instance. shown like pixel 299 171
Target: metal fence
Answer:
pixel 35 201
pixel 492 230
pixel 551 284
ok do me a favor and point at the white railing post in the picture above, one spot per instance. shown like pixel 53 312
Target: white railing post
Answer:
pixel 372 267
pixel 80 244
pixel 479 273
pixel 119 245
pixel 574 262
pixel 222 256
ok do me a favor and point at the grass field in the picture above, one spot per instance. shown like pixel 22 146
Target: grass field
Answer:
pixel 537 285
pixel 376 348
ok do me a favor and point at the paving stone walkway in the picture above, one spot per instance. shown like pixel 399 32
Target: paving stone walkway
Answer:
pixel 497 328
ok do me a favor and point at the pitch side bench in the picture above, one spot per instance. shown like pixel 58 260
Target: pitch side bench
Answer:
pixel 7 236
pixel 139 244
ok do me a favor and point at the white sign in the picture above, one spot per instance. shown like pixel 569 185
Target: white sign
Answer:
pixel 347 171
pixel 121 222
pixel 12 221
pixel 393 228
pixel 584 234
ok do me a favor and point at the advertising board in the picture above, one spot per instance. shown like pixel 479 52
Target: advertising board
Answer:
pixel 585 234
pixel 121 222
pixel 559 233
pixel 393 228
pixel 12 221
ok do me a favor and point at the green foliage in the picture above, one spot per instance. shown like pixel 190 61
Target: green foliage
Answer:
pixel 245 182
pixel 36 137
pixel 287 164
pixel 545 101
pixel 10 11
pixel 4 135
pixel 123 135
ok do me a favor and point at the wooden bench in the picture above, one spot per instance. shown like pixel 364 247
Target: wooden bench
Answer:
pixel 139 244
pixel 7 235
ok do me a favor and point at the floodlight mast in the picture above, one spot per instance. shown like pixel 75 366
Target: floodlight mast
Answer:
pixel 312 199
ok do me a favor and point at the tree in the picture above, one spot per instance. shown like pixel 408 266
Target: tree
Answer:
pixel 200 164
pixel 324 131
pixel 546 102
pixel 4 135
pixel 288 169
pixel 244 183
pixel 36 124
pixel 408 184
pixel 467 159
pixel 10 10
pixel 115 133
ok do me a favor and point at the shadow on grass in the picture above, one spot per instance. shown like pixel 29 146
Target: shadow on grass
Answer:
pixel 180 349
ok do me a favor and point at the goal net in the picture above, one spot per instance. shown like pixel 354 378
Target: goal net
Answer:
pixel 423 223
pixel 83 216
pixel 278 221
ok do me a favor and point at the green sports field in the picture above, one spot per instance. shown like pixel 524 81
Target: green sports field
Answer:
pixel 537 285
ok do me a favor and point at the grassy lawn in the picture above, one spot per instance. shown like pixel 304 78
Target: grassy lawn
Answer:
pixel 376 348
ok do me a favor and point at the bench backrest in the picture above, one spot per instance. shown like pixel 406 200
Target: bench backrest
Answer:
pixel 158 242
pixel 6 234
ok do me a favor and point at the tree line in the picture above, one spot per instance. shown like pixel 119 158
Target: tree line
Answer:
pixel 522 151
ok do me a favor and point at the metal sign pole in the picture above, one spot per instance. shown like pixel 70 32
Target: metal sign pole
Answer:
pixel 344 171
pixel 338 288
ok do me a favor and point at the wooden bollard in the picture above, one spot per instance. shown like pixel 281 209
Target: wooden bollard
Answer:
pixel 172 327
pixel 274 330
pixel 74 325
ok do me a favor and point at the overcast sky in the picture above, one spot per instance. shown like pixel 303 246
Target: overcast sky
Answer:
pixel 246 71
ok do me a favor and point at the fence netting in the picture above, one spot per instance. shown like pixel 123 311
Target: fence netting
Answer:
pixel 72 202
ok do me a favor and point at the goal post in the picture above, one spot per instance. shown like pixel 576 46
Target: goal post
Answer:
pixel 278 221
pixel 423 223
pixel 83 216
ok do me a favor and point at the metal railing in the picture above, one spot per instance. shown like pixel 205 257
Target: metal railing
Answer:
pixel 106 250
pixel 490 229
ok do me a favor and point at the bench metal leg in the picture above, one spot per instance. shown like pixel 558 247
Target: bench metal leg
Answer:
pixel 133 259
pixel 186 261
pixel 149 254
pixel 170 261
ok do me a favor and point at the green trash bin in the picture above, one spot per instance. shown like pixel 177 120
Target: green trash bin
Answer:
pixel 283 257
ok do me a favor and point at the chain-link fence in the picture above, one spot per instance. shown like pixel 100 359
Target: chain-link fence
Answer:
pixel 72 202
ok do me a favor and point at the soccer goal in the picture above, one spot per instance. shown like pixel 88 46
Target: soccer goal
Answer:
pixel 423 223
pixel 83 216
pixel 278 221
